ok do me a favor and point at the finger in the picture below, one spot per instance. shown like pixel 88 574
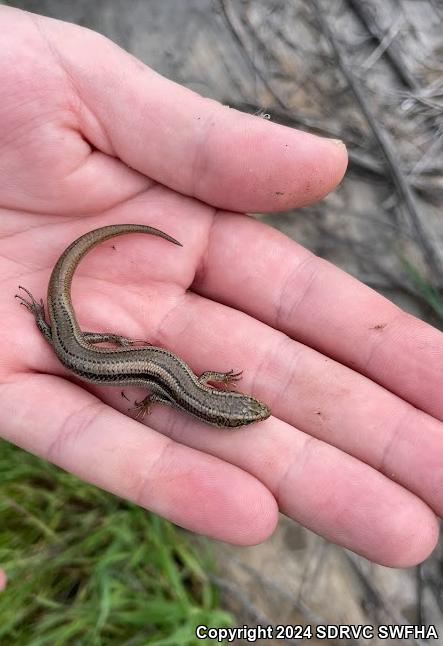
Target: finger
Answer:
pixel 80 434
pixel 286 286
pixel 326 490
pixel 189 143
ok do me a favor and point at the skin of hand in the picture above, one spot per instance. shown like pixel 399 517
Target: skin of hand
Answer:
pixel 90 136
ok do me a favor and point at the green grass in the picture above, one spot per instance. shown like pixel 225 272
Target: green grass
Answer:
pixel 84 567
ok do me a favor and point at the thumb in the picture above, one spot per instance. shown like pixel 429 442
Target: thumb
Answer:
pixel 189 143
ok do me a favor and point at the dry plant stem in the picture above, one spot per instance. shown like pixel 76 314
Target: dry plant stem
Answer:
pixel 384 140
pixel 226 13
pixel 367 16
pixel 380 603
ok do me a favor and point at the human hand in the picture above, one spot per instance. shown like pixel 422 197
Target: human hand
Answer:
pixel 89 136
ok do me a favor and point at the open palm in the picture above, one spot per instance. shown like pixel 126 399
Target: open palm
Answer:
pixel 88 137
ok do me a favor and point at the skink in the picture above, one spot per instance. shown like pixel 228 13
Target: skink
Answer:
pixel 168 379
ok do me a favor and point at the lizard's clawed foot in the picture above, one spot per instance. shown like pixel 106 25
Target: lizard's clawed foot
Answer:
pixel 142 408
pixel 36 308
pixel 225 379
